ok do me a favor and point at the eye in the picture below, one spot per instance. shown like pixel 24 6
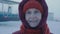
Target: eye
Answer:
pixel 35 12
pixel 29 12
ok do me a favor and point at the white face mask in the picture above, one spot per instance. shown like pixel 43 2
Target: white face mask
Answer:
pixel 33 17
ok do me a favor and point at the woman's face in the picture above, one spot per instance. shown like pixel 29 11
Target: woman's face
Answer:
pixel 33 17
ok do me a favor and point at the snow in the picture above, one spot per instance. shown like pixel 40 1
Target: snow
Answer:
pixel 9 27
pixel 54 26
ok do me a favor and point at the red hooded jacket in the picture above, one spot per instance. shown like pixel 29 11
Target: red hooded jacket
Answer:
pixel 26 29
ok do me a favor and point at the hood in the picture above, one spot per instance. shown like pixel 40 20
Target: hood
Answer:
pixel 44 16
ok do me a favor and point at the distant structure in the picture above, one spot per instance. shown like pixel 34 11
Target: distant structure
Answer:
pixel 7 15
pixel 50 16
pixel 9 10
pixel 9 2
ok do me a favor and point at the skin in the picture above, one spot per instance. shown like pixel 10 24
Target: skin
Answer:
pixel 33 17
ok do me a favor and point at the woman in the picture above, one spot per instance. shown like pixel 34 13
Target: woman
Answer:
pixel 33 14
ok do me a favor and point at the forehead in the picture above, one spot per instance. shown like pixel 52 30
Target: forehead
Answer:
pixel 33 9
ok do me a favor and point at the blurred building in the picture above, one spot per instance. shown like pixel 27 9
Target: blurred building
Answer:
pixel 8 10
pixel 50 16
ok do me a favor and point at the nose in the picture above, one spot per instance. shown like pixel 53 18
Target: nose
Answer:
pixel 32 16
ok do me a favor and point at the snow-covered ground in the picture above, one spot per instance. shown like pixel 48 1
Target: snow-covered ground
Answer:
pixel 54 26
pixel 11 26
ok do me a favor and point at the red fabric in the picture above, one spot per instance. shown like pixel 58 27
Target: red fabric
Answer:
pixel 29 31
pixel 34 31
pixel 32 4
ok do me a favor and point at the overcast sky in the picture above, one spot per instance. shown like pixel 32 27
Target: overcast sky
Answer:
pixel 53 6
